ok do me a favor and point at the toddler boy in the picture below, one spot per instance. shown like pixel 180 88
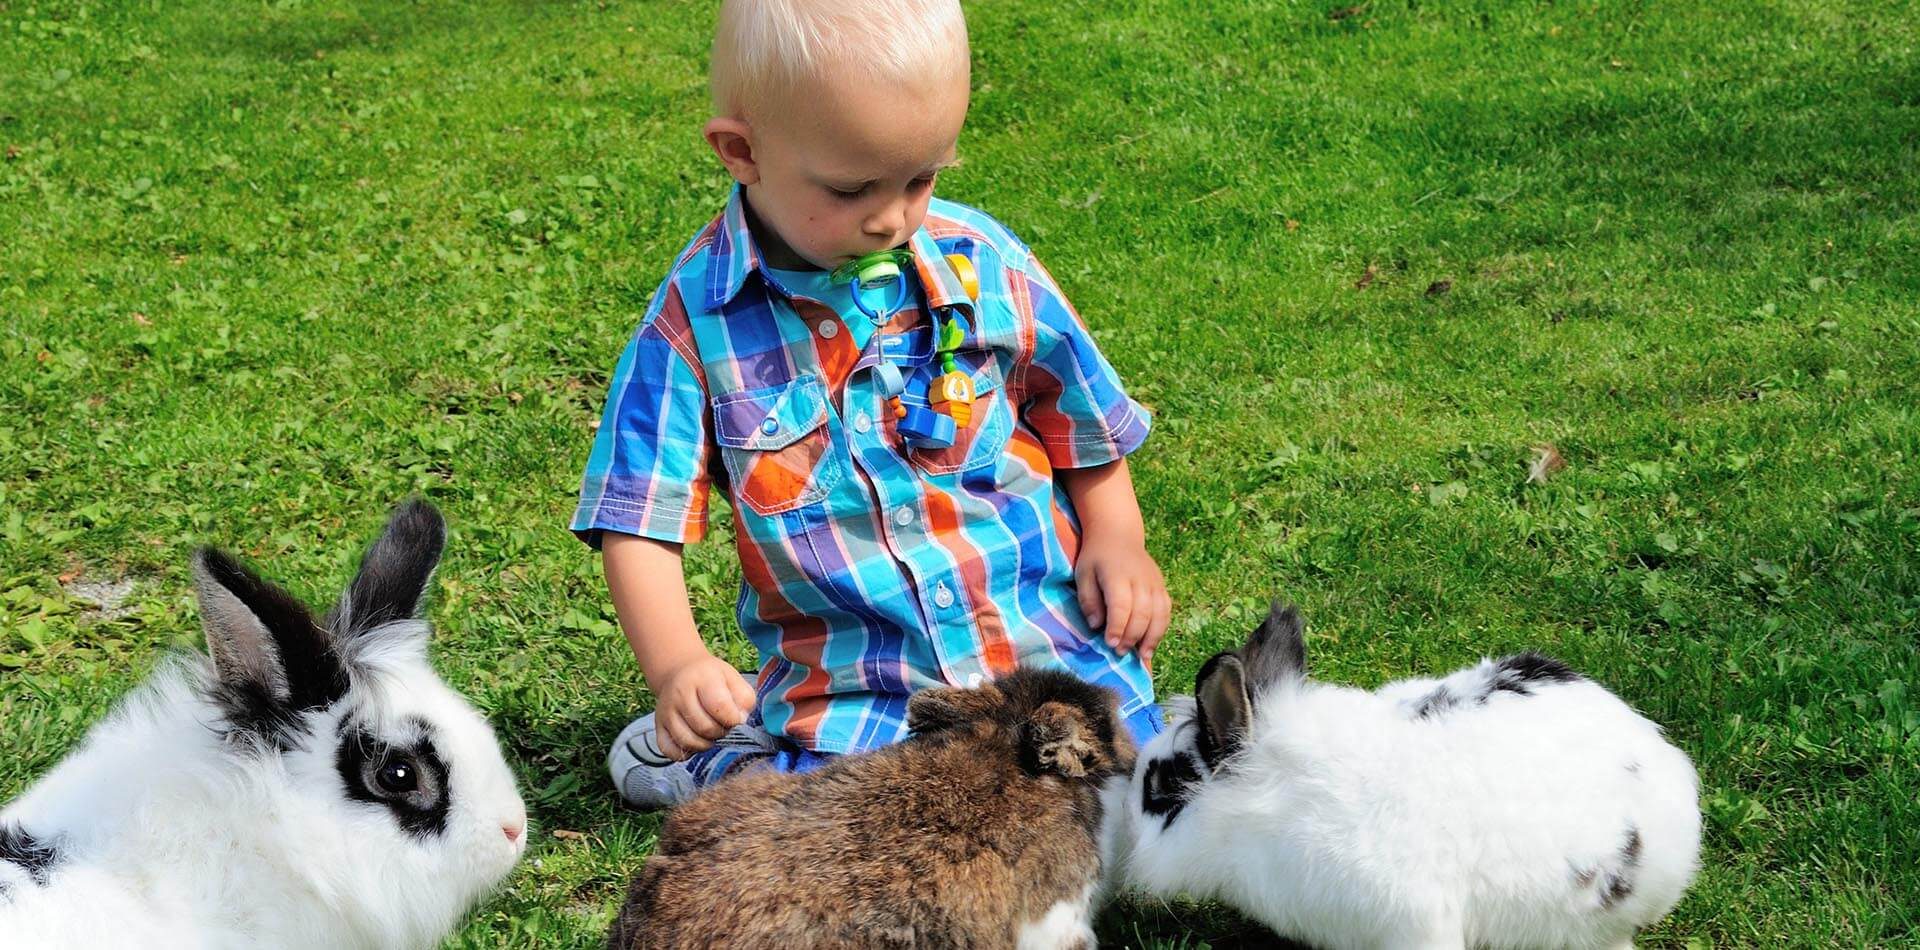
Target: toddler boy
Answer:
pixel 878 557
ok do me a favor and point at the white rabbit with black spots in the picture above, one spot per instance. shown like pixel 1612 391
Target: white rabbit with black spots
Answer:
pixel 1514 803
pixel 309 783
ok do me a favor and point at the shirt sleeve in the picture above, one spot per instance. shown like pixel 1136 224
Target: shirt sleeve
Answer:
pixel 1072 398
pixel 648 474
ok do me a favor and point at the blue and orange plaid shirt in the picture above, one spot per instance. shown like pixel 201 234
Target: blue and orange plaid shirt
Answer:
pixel 870 570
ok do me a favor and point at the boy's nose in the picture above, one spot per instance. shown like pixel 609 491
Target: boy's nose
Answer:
pixel 888 221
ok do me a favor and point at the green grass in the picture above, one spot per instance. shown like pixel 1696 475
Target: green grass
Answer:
pixel 265 268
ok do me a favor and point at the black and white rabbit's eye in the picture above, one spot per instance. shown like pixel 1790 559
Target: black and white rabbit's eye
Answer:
pixel 410 781
pixel 397 776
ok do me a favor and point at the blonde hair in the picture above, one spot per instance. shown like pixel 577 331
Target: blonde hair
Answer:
pixel 764 48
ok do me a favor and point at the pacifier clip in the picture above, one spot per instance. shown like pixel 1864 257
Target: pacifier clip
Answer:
pixel 949 396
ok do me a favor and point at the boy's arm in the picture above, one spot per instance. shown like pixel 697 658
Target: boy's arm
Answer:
pixel 1120 587
pixel 1073 400
pixel 644 493
pixel 698 697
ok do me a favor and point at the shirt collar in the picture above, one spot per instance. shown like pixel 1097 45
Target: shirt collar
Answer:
pixel 936 275
pixel 734 255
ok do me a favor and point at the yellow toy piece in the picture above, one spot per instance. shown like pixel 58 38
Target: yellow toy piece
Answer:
pixel 952 395
pixel 969 278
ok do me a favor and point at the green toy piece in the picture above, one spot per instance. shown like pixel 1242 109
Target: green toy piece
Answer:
pixel 952 333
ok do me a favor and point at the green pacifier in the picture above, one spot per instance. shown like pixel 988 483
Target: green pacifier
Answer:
pixel 872 272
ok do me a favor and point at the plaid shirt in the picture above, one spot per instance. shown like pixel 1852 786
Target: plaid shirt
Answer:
pixel 870 570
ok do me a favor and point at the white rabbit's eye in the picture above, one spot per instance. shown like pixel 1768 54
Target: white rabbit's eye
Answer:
pixel 1164 791
pixel 397 776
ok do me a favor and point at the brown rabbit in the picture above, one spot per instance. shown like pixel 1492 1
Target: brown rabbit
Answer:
pixel 982 830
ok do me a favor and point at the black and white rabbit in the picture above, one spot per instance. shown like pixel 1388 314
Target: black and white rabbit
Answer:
pixel 310 783
pixel 1514 803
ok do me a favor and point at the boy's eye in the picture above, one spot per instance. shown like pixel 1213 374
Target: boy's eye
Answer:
pixel 924 181
pixel 853 192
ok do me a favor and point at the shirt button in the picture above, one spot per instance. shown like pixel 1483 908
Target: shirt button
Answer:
pixel 770 426
pixel 903 516
pixel 942 596
pixel 862 422
pixel 828 329
pixel 974 680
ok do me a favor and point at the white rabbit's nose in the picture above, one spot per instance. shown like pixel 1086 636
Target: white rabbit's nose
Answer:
pixel 513 830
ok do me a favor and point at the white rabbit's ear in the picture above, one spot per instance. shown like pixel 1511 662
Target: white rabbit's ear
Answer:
pixel 1223 708
pixel 1277 651
pixel 270 658
pixel 393 575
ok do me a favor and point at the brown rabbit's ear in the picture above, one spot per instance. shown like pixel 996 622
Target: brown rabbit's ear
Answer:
pixel 944 707
pixel 1059 740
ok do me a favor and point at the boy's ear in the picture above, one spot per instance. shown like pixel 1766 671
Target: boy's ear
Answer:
pixel 731 140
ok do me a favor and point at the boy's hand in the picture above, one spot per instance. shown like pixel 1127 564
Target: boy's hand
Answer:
pixel 698 701
pixel 1121 590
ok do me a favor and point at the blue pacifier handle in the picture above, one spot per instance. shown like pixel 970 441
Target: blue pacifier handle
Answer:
pixel 871 272
pixel 881 316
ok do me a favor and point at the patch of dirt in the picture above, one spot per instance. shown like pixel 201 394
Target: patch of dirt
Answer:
pixel 109 597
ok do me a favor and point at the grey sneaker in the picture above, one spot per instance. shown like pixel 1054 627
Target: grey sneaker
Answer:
pixel 649 780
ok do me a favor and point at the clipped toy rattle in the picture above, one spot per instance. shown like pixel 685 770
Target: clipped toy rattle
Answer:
pixel 950 395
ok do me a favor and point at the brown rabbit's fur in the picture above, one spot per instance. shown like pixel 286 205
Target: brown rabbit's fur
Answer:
pixel 982 822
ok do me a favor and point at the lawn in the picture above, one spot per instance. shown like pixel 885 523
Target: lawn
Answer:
pixel 267 268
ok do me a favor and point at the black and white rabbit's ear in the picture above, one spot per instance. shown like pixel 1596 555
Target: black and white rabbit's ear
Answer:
pixel 269 655
pixel 1277 651
pixel 1223 707
pixel 393 575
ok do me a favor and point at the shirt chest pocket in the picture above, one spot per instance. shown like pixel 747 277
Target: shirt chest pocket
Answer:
pixel 777 443
pixel 981 441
